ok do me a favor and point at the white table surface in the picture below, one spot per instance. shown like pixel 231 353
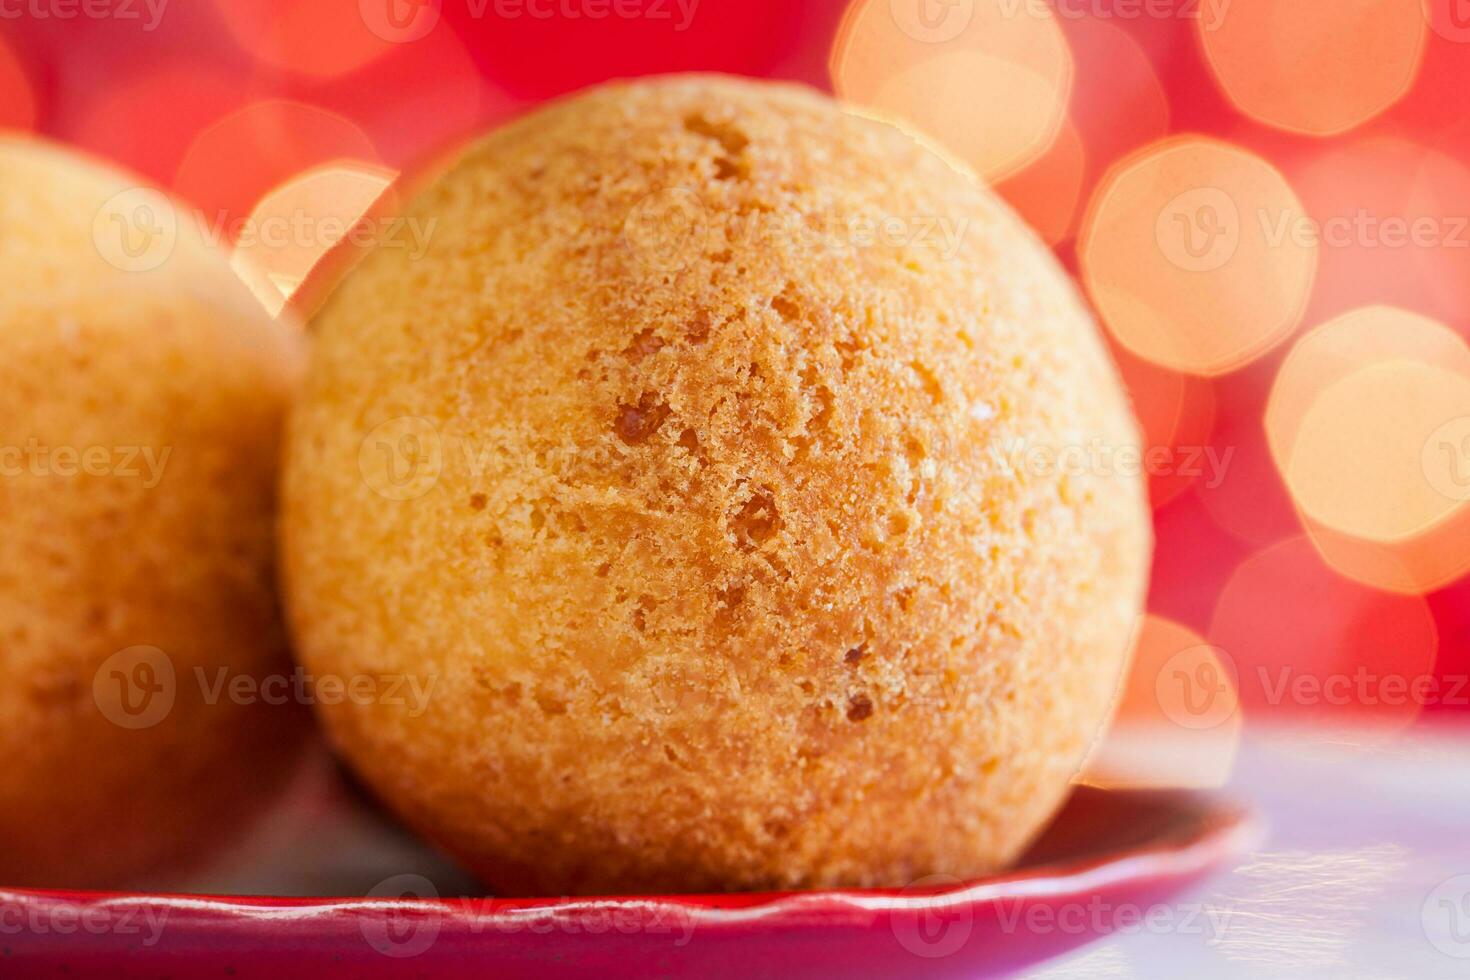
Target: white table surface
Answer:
pixel 1364 873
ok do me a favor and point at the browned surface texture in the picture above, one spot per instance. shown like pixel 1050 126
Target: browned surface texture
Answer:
pixel 707 523
pixel 140 418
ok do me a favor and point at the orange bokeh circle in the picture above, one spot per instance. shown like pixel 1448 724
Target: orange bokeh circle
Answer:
pixel 1315 68
pixel 295 225
pixel 319 38
pixel 1048 191
pixel 1188 254
pixel 1368 423
pixel 236 160
pixel 989 79
pixel 1178 720
pixel 1313 647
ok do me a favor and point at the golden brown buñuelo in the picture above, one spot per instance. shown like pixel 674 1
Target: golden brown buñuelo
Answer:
pixel 142 395
pixel 703 465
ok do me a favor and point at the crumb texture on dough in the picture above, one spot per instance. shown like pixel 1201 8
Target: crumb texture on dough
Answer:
pixel 689 465
pixel 141 415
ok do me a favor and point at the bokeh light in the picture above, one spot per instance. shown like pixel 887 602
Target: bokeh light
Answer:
pixel 418 99
pixel 1219 176
pixel 295 225
pixel 988 79
pixel 1357 462
pixel 1393 221
pixel 231 164
pixel 1310 646
pixel 1246 497
pixel 1176 412
pixel 1315 68
pixel 17 99
pixel 1363 424
pixel 312 37
pixel 1048 191
pixel 1118 104
pixel 124 123
pixel 1178 720
pixel 1178 254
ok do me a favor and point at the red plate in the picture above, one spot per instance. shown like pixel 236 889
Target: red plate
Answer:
pixel 1109 856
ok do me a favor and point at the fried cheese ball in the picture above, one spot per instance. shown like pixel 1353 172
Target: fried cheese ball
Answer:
pixel 710 472
pixel 142 397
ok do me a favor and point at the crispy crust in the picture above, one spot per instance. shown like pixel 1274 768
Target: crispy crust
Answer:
pixel 177 385
pixel 719 554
